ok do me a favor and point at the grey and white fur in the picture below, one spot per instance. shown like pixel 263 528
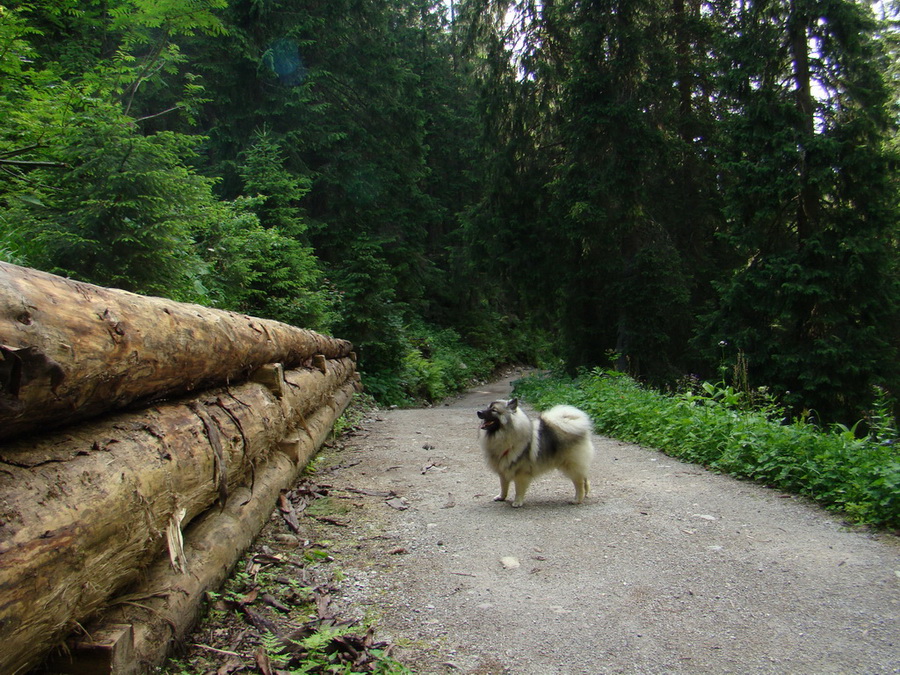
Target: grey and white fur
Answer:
pixel 518 449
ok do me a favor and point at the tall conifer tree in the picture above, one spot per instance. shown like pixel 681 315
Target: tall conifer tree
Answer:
pixel 812 207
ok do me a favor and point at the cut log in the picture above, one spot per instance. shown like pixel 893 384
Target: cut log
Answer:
pixel 85 510
pixel 162 609
pixel 70 350
pixel 106 651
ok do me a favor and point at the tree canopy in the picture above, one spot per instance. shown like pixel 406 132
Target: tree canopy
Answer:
pixel 683 187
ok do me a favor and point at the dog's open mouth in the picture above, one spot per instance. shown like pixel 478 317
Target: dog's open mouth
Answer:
pixel 489 420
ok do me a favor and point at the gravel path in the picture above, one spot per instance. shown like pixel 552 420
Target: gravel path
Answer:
pixel 666 568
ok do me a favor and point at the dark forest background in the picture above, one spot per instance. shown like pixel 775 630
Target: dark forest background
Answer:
pixel 685 188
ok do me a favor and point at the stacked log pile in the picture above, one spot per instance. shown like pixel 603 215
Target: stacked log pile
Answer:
pixel 145 443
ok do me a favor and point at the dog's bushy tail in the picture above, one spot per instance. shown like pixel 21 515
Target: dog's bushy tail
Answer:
pixel 568 421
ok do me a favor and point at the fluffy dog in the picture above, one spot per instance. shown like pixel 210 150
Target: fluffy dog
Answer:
pixel 518 449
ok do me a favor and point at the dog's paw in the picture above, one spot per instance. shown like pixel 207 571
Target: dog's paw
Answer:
pixel 500 498
pixel 517 504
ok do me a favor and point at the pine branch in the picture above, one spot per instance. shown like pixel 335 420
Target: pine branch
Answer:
pixel 34 165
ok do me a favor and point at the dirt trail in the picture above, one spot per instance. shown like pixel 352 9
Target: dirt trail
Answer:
pixel 666 568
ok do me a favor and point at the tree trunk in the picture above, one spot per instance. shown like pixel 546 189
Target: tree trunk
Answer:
pixel 162 609
pixel 85 510
pixel 70 350
pixel 807 199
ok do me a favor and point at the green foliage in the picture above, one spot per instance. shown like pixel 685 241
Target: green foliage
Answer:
pixel 646 176
pixel 122 213
pixel 259 260
pixel 436 363
pixel 808 196
pixel 14 244
pixel 346 119
pixel 597 204
pixel 262 169
pixel 440 363
pixel 142 19
pixel 275 650
pixel 322 658
pixel 100 200
pixel 661 176
pixel 262 271
pixel 859 476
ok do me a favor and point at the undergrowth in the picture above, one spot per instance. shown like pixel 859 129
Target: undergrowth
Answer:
pixel 434 364
pixel 438 362
pixel 714 427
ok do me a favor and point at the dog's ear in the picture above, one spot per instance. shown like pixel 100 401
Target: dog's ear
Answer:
pixel 513 404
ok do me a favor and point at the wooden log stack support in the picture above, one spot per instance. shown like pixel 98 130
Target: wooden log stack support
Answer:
pixel 131 424
pixel 72 350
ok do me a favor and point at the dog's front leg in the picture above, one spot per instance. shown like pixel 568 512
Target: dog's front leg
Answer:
pixel 504 489
pixel 522 483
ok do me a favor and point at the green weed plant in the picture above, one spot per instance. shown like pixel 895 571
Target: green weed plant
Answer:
pixel 435 363
pixel 715 427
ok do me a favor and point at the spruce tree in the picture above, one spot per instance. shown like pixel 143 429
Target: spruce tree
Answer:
pixel 605 164
pixel 811 204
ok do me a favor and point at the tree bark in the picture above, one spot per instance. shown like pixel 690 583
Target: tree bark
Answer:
pixel 807 199
pixel 162 609
pixel 84 511
pixel 70 350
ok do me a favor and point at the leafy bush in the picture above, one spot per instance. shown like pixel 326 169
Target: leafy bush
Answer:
pixel 120 215
pixel 860 476
pixel 435 363
pixel 13 244
pixel 263 271
pixel 440 362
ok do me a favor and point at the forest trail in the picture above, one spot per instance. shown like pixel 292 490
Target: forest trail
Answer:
pixel 666 568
